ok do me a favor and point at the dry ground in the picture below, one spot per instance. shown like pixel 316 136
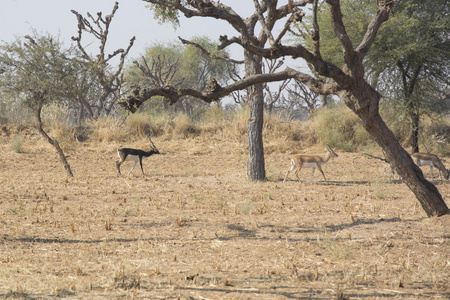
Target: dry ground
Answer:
pixel 196 228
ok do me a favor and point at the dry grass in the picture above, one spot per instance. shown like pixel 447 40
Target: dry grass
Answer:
pixel 196 228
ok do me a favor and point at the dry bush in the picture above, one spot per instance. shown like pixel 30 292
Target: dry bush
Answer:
pixel 337 126
pixel 143 123
pixel 184 127
pixel 214 121
pixel 236 125
pixel 108 129
pixel 55 122
pixel 282 135
pixel 436 135
pixel 138 123
pixel 340 128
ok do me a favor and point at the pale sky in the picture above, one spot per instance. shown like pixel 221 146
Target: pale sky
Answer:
pixel 19 17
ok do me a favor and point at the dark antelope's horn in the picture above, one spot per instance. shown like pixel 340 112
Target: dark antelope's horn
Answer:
pixel 151 142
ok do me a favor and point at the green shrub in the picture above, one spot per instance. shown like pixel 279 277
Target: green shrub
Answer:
pixel 340 128
pixel 17 143
pixel 397 122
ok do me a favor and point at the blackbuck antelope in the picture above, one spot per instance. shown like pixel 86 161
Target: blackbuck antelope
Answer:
pixel 310 161
pixel 135 155
pixel 426 159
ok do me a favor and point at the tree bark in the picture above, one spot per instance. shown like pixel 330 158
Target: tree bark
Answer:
pixel 255 167
pixel 415 121
pixel 427 194
pixel 51 141
pixel 323 100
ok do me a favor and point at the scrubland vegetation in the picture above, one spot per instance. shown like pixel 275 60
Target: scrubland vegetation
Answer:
pixel 336 125
pixel 196 228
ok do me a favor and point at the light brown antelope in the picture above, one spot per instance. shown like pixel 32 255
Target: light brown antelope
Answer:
pixel 426 159
pixel 310 161
pixel 135 155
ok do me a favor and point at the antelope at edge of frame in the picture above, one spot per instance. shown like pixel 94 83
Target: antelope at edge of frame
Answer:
pixel 428 159
pixel 134 155
pixel 310 161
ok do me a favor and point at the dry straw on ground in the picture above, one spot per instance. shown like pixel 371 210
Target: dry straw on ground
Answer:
pixel 196 228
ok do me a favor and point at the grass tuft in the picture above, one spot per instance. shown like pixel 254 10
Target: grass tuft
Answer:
pixel 17 143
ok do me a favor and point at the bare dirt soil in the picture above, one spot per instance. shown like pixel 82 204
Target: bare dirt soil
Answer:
pixel 196 228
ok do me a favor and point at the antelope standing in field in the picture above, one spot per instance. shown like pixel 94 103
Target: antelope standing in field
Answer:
pixel 135 155
pixel 310 161
pixel 426 159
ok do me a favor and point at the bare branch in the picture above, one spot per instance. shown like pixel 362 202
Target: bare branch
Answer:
pixel 381 16
pixel 209 54
pixel 315 33
pixel 161 72
pixel 111 82
pixel 339 30
pixel 262 21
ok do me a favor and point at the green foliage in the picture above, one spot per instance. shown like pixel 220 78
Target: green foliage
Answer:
pixel 414 34
pixel 356 17
pixel 409 62
pixel 17 143
pixel 38 68
pixel 164 14
pixel 12 109
pixel 340 128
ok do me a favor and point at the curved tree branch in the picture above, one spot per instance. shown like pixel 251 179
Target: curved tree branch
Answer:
pixel 215 92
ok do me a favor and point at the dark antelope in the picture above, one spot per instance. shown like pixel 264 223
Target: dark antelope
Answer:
pixel 135 155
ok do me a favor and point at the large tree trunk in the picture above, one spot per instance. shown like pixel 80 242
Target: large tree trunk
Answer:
pixel 51 141
pixel 367 109
pixel 427 194
pixel 255 167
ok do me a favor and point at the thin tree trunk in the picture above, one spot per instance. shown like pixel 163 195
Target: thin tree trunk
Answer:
pixel 415 132
pixel 51 141
pixel 255 167
pixel 84 103
pixel 323 100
